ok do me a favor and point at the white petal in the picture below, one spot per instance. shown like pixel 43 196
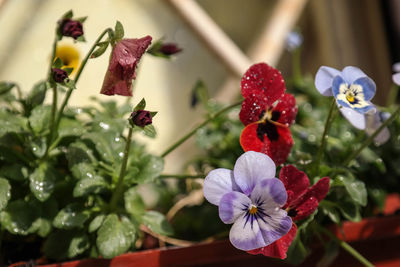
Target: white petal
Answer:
pixel 355 118
pixel 396 78
pixel 252 167
pixel 246 236
pixel 233 205
pixel 269 193
pixel 217 183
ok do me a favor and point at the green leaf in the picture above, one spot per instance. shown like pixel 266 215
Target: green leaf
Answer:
pixel 297 251
pixel 38 146
pixel 6 87
pixel 36 96
pixel 102 145
pixel 89 185
pixel 61 244
pixel 83 170
pixel 119 31
pixel 350 211
pixel 5 193
pixel 19 216
pixel 331 252
pixel 102 47
pixel 11 123
pixel 150 131
pixel 355 188
pixel 48 211
pixel 58 63
pixel 149 168
pixel 70 84
pixel 157 223
pixel 15 172
pixel 200 93
pixel 133 202
pixel 70 127
pixel 115 236
pixel 72 216
pixel 68 15
pixel 141 105
pixel 81 19
pixel 40 118
pixel 96 223
pixel 68 70
pixel 42 181
pixel 77 153
pixel 329 209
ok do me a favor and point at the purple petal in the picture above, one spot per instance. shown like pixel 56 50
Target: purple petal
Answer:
pixel 233 205
pixel 246 236
pixel 274 226
pixel 250 168
pixel 350 74
pixel 368 87
pixel 217 183
pixel 336 83
pixel 324 79
pixel 269 193
pixel 373 123
pixel 396 78
pixel 357 119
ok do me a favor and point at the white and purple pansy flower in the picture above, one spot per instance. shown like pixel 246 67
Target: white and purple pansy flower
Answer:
pixel 250 198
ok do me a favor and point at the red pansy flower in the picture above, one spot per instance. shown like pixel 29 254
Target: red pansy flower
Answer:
pixel 267 111
pixel 302 201
pixel 122 68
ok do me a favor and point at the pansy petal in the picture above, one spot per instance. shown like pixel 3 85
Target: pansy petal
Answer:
pixel 396 78
pixel 275 225
pixel 279 248
pixel 263 79
pixel 368 87
pixel 269 194
pixel 295 181
pixel 279 150
pixel 245 235
pixel 350 74
pixel 324 79
pixel 287 109
pixel 217 183
pixel 250 168
pixel 233 205
pixel 357 119
pixel 336 84
pixel 253 108
pixel 373 123
pixel 306 208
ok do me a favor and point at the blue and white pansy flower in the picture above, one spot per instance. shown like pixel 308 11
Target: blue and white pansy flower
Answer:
pixel 353 90
pixel 250 198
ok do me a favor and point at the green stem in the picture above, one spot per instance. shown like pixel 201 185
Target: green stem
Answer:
pixel 181 176
pixel 78 74
pixel 371 138
pixel 187 136
pixel 324 138
pixel 118 189
pixel 296 66
pixel 346 247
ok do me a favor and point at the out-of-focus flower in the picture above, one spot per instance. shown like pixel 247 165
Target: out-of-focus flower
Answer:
pixel 267 112
pixel 121 71
pixel 373 122
pixel 69 55
pixel 71 28
pixel 250 198
pixel 141 118
pixel 302 201
pixel 59 75
pixel 166 50
pixel 396 76
pixel 293 40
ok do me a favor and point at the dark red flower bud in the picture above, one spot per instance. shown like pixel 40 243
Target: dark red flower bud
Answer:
pixel 59 75
pixel 71 28
pixel 169 49
pixel 141 118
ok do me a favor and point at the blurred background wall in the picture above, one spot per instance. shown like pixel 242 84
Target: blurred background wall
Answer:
pixel 337 33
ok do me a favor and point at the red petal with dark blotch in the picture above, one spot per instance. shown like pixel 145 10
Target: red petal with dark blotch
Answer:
pixel 278 150
pixel 295 181
pixel 121 70
pixel 305 208
pixel 279 248
pixel 252 108
pixel 287 107
pixel 263 79
pixel 305 205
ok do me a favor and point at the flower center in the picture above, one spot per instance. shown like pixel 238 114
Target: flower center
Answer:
pixel 252 209
pixel 350 96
